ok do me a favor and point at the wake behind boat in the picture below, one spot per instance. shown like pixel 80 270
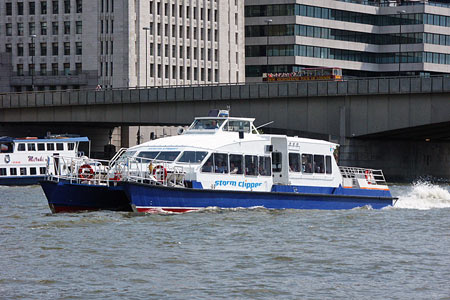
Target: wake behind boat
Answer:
pixel 223 161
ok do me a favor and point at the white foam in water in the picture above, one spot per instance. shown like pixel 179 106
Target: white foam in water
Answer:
pixel 424 195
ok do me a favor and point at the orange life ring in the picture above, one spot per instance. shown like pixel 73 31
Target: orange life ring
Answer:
pixel 157 170
pixel 85 172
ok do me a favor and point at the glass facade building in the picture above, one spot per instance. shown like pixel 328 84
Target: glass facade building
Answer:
pixel 364 38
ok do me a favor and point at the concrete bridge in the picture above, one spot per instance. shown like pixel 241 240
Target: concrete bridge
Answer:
pixel 399 124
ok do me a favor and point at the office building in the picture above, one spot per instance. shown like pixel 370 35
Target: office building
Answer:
pixel 365 38
pixel 78 44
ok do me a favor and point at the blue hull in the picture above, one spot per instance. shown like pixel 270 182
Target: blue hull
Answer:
pixel 21 180
pixel 148 198
pixel 64 196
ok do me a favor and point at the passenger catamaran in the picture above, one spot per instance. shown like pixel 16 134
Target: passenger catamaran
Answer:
pixel 24 161
pixel 222 161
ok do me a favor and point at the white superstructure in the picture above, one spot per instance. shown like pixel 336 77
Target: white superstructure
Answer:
pixel 25 159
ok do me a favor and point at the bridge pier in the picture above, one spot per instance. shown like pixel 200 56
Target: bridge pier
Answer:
pixel 401 161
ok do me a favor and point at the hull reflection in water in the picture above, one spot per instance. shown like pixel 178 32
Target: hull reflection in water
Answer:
pixel 64 196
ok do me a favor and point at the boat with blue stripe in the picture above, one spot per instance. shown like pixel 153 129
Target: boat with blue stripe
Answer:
pixel 225 162
pixel 23 161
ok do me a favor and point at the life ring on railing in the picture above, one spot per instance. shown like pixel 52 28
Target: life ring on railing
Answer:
pixel 117 177
pixel 160 173
pixel 85 172
pixel 369 176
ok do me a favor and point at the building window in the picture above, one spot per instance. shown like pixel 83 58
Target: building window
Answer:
pixel 43 7
pixel 54 73
pixel 19 69
pixel 43 49
pixel 43 72
pixel 66 68
pixel 31 49
pixel 67 27
pixel 78 27
pixel 20 8
pixel 20 49
pixel 31 28
pixel 79 5
pixel 43 28
pixel 31 69
pixel 31 8
pixel 67 6
pixel 55 7
pixel 78 68
pixel 8 29
pixel 78 48
pixel 67 48
pixel 54 49
pixel 9 9
pixel 19 29
pixel 8 48
pixel 55 28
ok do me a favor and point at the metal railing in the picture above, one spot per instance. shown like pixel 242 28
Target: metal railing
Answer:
pixel 84 170
pixel 372 176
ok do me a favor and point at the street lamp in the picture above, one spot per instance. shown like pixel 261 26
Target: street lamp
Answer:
pixel 400 12
pixel 146 29
pixel 268 21
pixel 33 36
pixel 146 55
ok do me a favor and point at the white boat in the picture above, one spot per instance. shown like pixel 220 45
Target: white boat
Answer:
pixel 223 161
pixel 24 161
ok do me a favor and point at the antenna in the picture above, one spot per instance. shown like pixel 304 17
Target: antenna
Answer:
pixel 264 124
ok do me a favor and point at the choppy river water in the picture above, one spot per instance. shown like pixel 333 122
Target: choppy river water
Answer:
pixel 394 253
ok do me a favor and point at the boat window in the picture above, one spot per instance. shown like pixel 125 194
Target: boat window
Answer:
pixel 147 155
pixel 294 162
pixel 50 146
pixel 23 171
pixel 208 165
pixel 307 163
pixel 319 164
pixel 264 166
pixel 276 162
pixel 41 146
pixel 42 170
pixel 207 124
pixel 6 148
pixel 193 157
pixel 21 147
pixel 2 171
pixel 328 164
pixel 31 147
pixel 13 171
pixel 168 155
pixel 221 163
pixel 32 171
pixel 60 146
pixel 236 126
pixel 251 165
pixel 236 163
pixel 70 146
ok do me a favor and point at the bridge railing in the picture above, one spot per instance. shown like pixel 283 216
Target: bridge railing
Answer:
pixel 237 91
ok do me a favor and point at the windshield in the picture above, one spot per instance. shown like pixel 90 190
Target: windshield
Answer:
pixel 193 157
pixel 206 124
pixel 237 126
